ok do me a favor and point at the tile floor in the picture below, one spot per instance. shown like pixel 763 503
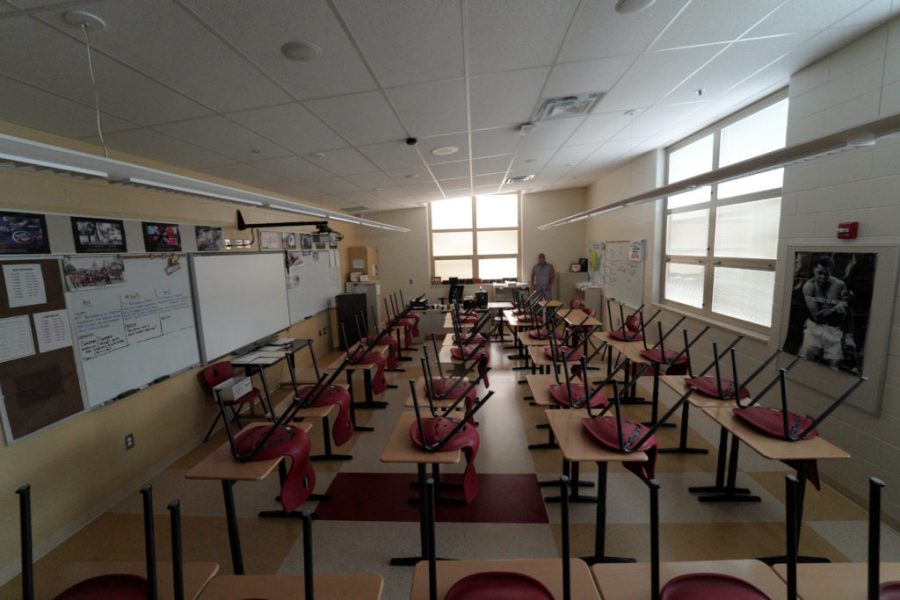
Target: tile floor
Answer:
pixel 834 527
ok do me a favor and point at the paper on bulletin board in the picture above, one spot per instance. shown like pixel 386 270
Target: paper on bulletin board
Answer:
pixel 359 263
pixel 24 285
pixel 15 338
pixel 52 329
pixel 596 255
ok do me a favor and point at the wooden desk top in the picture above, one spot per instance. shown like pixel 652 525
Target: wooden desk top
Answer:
pixel 222 466
pixel 514 322
pixel 550 303
pixel 500 305
pixel 313 412
pixel 445 356
pixel 400 448
pixel 527 340
pixel 577 445
pixel 632 581
pixel 423 400
pixel 539 385
pixel 355 367
pixel 540 359
pixel 836 581
pixel 769 447
pixel 355 586
pixel 448 323
pixel 546 570
pixel 578 316
pixel 196 576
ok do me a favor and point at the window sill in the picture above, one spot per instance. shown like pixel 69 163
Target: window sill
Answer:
pixel 719 323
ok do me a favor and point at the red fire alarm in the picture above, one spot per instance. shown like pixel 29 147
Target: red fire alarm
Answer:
pixel 848 231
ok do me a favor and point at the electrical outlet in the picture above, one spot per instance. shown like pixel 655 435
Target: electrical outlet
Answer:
pixel 129 441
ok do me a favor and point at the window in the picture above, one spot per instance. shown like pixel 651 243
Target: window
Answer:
pixel 721 240
pixel 475 238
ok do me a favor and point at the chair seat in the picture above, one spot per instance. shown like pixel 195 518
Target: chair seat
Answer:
pixel 498 585
pixel 770 421
pixel 108 587
pixel 710 586
pixel 655 356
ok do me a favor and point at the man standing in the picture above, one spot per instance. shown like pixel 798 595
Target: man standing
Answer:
pixel 826 299
pixel 542 277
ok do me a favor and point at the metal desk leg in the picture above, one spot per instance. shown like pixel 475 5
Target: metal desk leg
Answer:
pixel 411 561
pixel 572 470
pixel 730 493
pixel 682 447
pixel 353 405
pixel 550 444
pixel 370 402
pixel 326 437
pixel 234 535
pixel 657 371
pixel 600 523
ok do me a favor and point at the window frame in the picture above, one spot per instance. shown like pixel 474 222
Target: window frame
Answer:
pixel 710 261
pixel 474 257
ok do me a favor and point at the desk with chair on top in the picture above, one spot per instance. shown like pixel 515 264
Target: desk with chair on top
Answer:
pixel 196 576
pixel 368 371
pixel 836 581
pixel 221 465
pixel 422 396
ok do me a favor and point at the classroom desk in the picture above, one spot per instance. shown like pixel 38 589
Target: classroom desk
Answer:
pixel 496 309
pixel 448 323
pixel 368 372
pixel 632 582
pixel 539 384
pixel 401 449
pixel 500 305
pixel 221 465
pixel 836 581
pixel 516 325
pixel 196 576
pixel 577 446
pixel 423 399
pixel 318 412
pixel 576 317
pixel 353 586
pixel 257 362
pixel 549 303
pixel 803 452
pixel 546 570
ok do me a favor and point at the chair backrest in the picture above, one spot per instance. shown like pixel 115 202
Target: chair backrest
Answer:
pixel 215 374
pixel 575 303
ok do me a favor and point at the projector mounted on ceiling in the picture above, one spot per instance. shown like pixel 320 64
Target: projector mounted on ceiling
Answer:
pixel 566 106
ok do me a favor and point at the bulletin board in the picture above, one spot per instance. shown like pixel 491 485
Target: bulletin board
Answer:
pixel 131 332
pixel 38 374
pixel 623 271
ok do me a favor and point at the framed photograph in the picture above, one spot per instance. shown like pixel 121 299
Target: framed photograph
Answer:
pixel 23 233
pixel 306 241
pixel 209 239
pixel 288 241
pixel 834 300
pixel 269 240
pixel 89 273
pixel 98 235
pixel 575 267
pixel 161 237
pixel 321 240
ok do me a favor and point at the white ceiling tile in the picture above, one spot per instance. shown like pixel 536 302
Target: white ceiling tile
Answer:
pixel 456 187
pixel 653 75
pixel 433 108
pixel 37 54
pixel 505 98
pixel 451 170
pixel 460 140
pixel 392 193
pixel 336 185
pixel 392 155
pixel 221 135
pixel 291 126
pixel 515 34
pixel 361 118
pixel 568 157
pixel 153 36
pixel 246 174
pixel 345 161
pixel 532 161
pixel 708 21
pixel 490 142
pixel 569 79
pixel 550 134
pixel 658 119
pixel 806 15
pixel 407 42
pixel 494 164
pixel 876 11
pixel 599 31
pixel 260 32
pixel 598 128
pixel 370 181
pixel 294 168
pixel 409 176
pixel 297 190
pixel 26 105
pixel 157 146
pixel 421 189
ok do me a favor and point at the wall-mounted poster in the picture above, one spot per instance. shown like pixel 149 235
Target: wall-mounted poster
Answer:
pixel 321 240
pixel 89 273
pixel 23 233
pixel 209 239
pixel 161 237
pixel 269 240
pixel 831 303
pixel 595 262
pixel 289 241
pixel 98 235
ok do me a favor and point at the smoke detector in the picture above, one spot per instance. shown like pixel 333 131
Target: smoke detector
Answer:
pixel 519 179
pixel 566 106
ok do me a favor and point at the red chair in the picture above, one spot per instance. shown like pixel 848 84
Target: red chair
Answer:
pixel 212 376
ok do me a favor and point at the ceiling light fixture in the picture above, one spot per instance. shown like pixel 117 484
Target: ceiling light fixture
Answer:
pixel 445 151
pixel 301 51
pixel 632 6
pixel 81 17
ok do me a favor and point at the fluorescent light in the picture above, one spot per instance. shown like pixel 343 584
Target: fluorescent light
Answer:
pixel 52 165
pixel 191 191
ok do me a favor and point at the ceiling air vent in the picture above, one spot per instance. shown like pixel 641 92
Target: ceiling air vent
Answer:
pixel 355 209
pixel 566 106
pixel 519 179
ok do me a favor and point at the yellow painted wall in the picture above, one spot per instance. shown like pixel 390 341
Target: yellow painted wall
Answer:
pixel 79 468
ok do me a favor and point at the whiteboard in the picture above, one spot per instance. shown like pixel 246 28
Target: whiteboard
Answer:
pixel 623 277
pixel 312 284
pixel 240 298
pixel 127 334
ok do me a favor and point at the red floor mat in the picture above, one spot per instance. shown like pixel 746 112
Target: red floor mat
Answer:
pixel 384 497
